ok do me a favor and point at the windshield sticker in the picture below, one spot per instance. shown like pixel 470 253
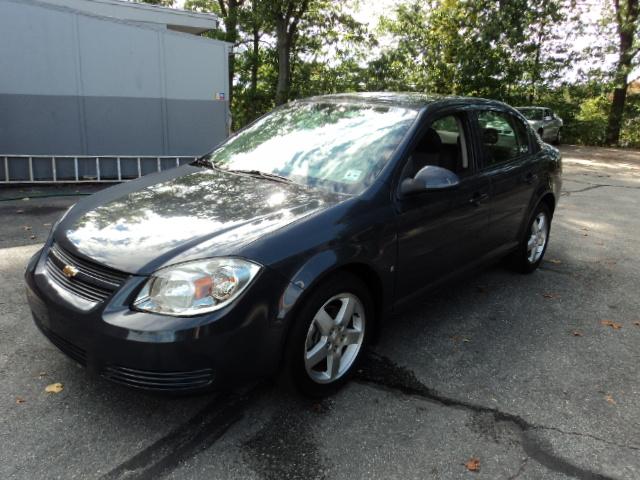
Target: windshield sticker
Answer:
pixel 352 175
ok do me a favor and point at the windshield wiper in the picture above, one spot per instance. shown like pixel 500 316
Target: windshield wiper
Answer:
pixel 258 173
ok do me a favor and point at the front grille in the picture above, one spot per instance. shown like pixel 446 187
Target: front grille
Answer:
pixel 163 381
pixel 94 283
pixel 73 351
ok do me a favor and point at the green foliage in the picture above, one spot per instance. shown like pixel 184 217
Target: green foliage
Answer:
pixel 591 121
pixel 518 51
pixel 630 135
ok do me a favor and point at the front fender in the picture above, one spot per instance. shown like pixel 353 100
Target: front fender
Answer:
pixel 324 263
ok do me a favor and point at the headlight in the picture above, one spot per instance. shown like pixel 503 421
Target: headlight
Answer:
pixel 196 287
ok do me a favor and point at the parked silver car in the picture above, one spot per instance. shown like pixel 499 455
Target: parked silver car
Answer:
pixel 544 121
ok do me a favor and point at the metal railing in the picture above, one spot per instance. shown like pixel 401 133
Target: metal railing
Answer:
pixel 83 168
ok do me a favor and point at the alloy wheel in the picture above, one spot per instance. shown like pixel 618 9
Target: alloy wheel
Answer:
pixel 538 237
pixel 334 338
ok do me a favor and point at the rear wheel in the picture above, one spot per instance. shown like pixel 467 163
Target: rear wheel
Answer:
pixel 326 342
pixel 533 246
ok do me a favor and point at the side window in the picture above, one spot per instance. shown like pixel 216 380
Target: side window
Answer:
pixel 547 113
pixel 503 137
pixel 443 144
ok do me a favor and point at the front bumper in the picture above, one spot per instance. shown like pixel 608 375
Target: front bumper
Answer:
pixel 156 352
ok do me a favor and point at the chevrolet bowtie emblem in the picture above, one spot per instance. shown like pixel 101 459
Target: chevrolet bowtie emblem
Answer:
pixel 69 271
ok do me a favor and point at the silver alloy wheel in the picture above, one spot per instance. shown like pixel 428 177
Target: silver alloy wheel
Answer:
pixel 538 237
pixel 334 338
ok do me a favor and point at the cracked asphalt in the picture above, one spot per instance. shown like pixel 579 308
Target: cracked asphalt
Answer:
pixel 516 371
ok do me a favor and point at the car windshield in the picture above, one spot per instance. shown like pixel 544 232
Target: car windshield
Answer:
pixel 340 147
pixel 531 113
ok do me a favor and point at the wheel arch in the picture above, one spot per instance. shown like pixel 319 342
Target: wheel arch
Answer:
pixel 549 199
pixel 369 276
pixel 325 267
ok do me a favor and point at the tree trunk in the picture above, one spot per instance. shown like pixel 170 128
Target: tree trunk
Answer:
pixel 617 109
pixel 230 12
pixel 283 47
pixel 626 19
pixel 535 71
pixel 255 65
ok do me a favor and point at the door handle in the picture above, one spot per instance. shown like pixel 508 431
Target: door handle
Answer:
pixel 478 198
pixel 530 178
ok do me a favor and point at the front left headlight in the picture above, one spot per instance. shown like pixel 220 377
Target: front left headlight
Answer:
pixel 194 288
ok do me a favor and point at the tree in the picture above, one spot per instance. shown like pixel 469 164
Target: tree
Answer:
pixel 627 26
pixel 286 15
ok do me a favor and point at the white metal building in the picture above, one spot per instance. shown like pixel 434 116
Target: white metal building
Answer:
pixel 106 79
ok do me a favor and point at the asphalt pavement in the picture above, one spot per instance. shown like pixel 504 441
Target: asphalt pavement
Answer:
pixel 529 377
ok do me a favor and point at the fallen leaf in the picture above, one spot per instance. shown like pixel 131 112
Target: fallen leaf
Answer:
pixel 585 229
pixel 637 324
pixel 54 388
pixel 554 261
pixel 26 199
pixel 42 374
pixel 551 295
pixel 612 324
pixel 576 333
pixel 610 400
pixel 32 237
pixel 473 464
pixel 20 400
pixel 20 211
pixel 46 224
pixel 585 234
pixel 26 227
pixel 459 338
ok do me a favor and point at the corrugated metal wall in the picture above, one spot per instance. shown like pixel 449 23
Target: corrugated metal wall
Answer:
pixel 74 84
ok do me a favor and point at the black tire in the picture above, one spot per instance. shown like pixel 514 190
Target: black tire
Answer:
pixel 295 373
pixel 521 259
pixel 541 133
pixel 558 138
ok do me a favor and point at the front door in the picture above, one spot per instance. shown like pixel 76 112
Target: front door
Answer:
pixel 440 232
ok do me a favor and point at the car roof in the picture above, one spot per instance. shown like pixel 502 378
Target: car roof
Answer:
pixel 413 100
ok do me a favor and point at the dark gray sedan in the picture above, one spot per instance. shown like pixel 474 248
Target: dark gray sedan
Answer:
pixel 285 249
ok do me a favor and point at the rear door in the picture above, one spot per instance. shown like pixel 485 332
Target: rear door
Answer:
pixel 507 160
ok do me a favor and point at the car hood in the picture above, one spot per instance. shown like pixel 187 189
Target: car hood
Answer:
pixel 186 214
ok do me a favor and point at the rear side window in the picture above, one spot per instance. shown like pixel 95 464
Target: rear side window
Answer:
pixel 503 137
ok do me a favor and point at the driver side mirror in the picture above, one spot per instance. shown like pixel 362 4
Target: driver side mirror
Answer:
pixel 429 178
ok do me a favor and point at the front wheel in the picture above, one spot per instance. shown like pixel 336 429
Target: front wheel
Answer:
pixel 326 342
pixel 533 246
pixel 558 138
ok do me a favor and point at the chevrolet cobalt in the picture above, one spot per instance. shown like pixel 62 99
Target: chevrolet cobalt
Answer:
pixel 285 249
